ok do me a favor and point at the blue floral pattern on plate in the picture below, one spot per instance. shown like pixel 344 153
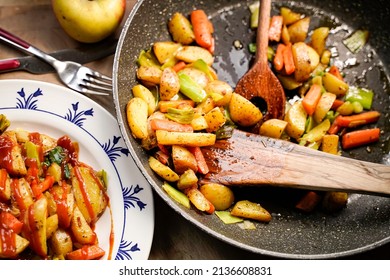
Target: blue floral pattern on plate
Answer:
pixel 80 111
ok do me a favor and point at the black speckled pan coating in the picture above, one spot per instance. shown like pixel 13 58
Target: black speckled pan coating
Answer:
pixel 365 223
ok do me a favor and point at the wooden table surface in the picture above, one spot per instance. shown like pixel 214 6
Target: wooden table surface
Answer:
pixel 174 237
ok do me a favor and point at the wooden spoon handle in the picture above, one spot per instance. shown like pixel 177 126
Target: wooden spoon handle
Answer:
pixel 249 159
pixel 262 32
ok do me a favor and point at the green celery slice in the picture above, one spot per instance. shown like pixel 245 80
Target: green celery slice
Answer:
pixel 227 218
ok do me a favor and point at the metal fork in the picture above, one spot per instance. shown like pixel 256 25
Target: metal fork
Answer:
pixel 72 74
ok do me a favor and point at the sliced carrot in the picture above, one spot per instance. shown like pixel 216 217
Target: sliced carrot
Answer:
pixel 162 157
pixel 360 137
pixel 275 28
pixel 10 222
pixel 310 100
pixel 200 160
pixel 288 59
pixel 358 119
pixel 309 201
pixel 334 127
pixel 168 125
pixel 202 30
pixel 3 181
pixel 39 188
pixel 337 103
pixel 87 252
pixel 165 105
pixel 334 70
pixel 179 66
pixel 278 58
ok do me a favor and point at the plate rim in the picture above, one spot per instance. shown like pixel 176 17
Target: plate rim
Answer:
pixel 175 206
pixel 124 250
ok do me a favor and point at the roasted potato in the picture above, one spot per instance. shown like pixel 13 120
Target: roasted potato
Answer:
pixel 162 170
pixel 187 180
pixel 289 17
pixel 145 94
pixel 51 225
pixel 191 54
pixel 298 30
pixel 81 230
pixel 60 197
pixel 220 91
pixel 165 51
pixel 306 60
pixel 318 39
pixel 296 120
pixel 220 196
pixel 323 106
pixel 185 138
pixel 149 75
pixel 199 200
pixel 250 210
pixel 137 117
pixel 215 119
pixel 244 112
pixel 88 193
pixel 181 30
pixel 17 166
pixel 169 84
pixel 330 144
pixel 61 242
pixel 334 85
pixel 20 245
pixel 183 159
pixel 36 226
pixel 197 76
pixel 273 128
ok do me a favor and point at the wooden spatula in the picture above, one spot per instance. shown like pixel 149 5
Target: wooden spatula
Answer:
pixel 248 159
pixel 260 81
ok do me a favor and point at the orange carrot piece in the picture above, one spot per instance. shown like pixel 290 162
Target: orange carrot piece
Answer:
pixel 200 160
pixel 160 124
pixel 275 29
pixel 358 119
pixel 202 29
pixel 179 66
pixel 39 188
pixel 334 70
pixel 310 100
pixel 87 252
pixel 334 127
pixel 3 179
pixel 337 103
pixel 165 105
pixel 288 59
pixel 360 137
pixel 10 222
pixel 278 58
pixel 309 201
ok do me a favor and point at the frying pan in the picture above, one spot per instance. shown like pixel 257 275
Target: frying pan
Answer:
pixel 365 223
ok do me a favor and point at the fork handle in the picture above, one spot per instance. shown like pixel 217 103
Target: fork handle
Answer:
pixel 22 45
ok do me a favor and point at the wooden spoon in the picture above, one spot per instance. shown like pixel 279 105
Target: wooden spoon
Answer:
pixel 260 81
pixel 248 159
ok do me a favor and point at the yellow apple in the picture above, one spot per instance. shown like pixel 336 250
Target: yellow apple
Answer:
pixel 89 21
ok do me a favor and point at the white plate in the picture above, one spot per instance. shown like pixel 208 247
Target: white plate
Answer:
pixel 57 111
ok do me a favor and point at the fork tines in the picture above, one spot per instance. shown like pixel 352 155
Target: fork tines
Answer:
pixel 97 83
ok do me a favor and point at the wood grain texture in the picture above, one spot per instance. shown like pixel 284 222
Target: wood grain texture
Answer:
pixel 252 160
